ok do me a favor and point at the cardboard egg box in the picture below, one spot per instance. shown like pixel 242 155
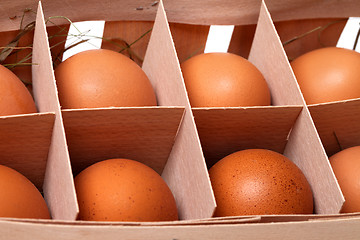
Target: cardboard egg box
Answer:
pixel 286 127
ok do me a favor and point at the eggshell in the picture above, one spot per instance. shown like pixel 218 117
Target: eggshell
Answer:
pixel 224 80
pixel 123 190
pixel 259 182
pixel 346 167
pixel 102 78
pixel 14 96
pixel 328 74
pixel 19 198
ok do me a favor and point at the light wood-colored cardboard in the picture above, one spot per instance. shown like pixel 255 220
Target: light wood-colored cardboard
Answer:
pixel 331 229
pixel 268 55
pixel 313 162
pixel 338 124
pixel 24 144
pixel 185 171
pixel 305 150
pixel 59 190
pixel 223 131
pixel 206 221
pixel 301 144
pixel 142 134
pixel 185 11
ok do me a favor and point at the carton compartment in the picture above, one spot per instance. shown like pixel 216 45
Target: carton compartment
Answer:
pixel 147 134
pixel 251 127
pixel 185 170
pixel 24 144
pixel 338 124
pixel 224 131
pixel 143 134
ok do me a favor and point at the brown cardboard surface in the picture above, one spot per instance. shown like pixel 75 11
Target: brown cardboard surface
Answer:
pixel 24 144
pixel 305 150
pixel 268 55
pixel 59 190
pixel 330 229
pixel 338 124
pixel 185 171
pixel 142 134
pixel 223 131
pixel 185 11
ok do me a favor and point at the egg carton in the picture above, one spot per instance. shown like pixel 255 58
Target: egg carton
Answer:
pixel 51 146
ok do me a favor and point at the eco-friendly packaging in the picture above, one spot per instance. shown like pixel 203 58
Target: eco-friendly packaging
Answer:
pixel 63 142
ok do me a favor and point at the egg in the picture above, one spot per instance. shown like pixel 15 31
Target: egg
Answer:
pixel 224 80
pixel 14 96
pixel 328 74
pixel 19 198
pixel 346 167
pixel 102 78
pixel 259 182
pixel 123 190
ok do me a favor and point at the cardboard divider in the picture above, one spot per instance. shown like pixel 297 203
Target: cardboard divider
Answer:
pixel 223 131
pixel 313 162
pixel 185 171
pixel 24 144
pixel 268 55
pixel 142 134
pixel 338 124
pixel 59 190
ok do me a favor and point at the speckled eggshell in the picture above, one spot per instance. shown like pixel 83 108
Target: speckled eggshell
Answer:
pixel 15 98
pixel 224 80
pixel 328 74
pixel 102 78
pixel 346 167
pixel 123 190
pixel 259 182
pixel 19 198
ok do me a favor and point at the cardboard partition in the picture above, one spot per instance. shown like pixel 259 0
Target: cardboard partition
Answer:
pixel 59 190
pixel 338 124
pixel 223 131
pixel 304 147
pixel 268 55
pixel 24 144
pixel 143 134
pixel 185 171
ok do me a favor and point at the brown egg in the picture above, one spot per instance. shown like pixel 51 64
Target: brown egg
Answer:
pixel 224 80
pixel 123 190
pixel 19 198
pixel 328 74
pixel 346 167
pixel 14 96
pixel 259 182
pixel 102 78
